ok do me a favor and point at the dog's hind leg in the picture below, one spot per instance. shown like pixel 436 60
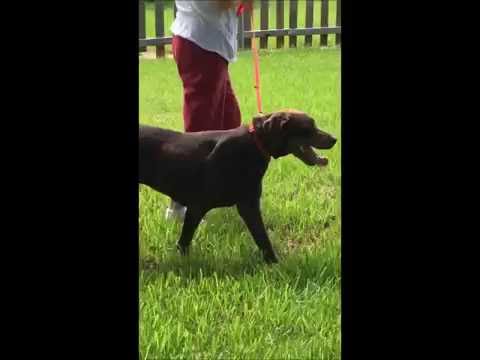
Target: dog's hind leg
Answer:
pixel 193 216
pixel 251 215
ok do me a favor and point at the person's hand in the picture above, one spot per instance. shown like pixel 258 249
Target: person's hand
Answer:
pixel 244 5
pixel 230 4
pixel 248 4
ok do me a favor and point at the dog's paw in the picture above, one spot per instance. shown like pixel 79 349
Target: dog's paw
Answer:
pixel 270 258
pixel 183 250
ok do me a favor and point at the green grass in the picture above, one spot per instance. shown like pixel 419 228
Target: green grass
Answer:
pixel 272 21
pixel 223 301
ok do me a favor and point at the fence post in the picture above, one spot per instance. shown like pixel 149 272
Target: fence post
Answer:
pixel 293 22
pixel 324 22
pixel 280 25
pixel 159 27
pixel 241 34
pixel 247 43
pixel 264 23
pixel 339 21
pixel 141 23
pixel 308 21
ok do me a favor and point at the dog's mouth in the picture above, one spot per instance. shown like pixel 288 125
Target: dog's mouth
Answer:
pixel 308 156
pixel 302 148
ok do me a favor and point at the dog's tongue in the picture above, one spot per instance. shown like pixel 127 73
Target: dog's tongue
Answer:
pixel 312 157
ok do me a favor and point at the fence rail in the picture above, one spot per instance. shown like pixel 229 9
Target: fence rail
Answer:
pixel 244 30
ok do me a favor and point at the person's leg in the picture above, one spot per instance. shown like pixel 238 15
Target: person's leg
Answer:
pixel 204 76
pixel 231 117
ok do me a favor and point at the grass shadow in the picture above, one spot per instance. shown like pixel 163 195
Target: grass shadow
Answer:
pixel 297 270
pixel 196 266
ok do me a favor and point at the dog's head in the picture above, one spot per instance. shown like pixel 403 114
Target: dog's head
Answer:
pixel 293 132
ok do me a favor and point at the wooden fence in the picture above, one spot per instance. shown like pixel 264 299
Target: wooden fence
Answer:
pixel 244 28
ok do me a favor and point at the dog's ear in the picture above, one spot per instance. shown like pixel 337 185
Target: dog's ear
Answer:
pixel 275 122
pixel 259 119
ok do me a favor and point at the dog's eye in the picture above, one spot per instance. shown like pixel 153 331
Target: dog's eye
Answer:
pixel 308 126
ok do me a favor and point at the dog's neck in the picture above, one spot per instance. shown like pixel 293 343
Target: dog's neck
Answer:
pixel 258 142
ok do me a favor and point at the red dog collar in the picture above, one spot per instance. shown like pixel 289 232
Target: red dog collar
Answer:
pixel 251 130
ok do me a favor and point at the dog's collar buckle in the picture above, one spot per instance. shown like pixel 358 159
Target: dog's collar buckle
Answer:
pixel 252 130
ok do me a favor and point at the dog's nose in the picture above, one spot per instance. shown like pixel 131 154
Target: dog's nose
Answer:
pixel 333 140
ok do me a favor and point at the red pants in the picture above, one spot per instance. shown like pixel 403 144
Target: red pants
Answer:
pixel 209 102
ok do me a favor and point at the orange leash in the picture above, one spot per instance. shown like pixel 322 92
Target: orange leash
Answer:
pixel 256 61
pixel 256 64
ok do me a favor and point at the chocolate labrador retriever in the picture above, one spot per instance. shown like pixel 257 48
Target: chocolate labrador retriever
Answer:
pixel 212 169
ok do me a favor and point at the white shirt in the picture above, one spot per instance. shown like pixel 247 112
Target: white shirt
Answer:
pixel 205 24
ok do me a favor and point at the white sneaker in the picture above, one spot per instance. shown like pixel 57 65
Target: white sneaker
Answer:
pixel 175 212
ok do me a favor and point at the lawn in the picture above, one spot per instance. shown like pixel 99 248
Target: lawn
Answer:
pixel 223 301
pixel 272 20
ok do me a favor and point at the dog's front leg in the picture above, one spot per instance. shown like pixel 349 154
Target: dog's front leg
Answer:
pixel 193 216
pixel 250 212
